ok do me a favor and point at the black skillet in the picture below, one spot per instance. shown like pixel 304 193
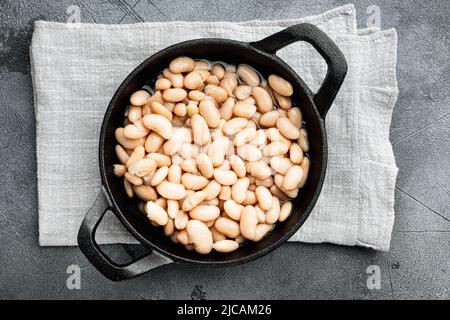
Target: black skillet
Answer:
pixel 261 56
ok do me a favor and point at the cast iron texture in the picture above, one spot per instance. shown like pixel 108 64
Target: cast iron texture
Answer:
pixel 261 56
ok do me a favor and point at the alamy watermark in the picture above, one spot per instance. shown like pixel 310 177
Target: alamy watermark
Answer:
pixel 374 18
pixel 74 279
pixel 73 14
pixel 374 279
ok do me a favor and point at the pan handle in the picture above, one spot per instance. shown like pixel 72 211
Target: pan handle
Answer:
pixel 90 248
pixel 337 65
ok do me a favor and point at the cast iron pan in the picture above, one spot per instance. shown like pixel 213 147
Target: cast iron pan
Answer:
pixel 261 56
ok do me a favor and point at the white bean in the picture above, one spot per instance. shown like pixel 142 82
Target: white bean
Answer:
pixel 285 103
pixel 225 193
pixel 264 198
pixel 200 236
pixel 127 143
pixel 305 164
pixel 128 188
pixel 161 159
pixel 181 220
pixel 135 131
pixel 174 94
pixel 262 230
pixel 194 200
pixel 225 177
pixel 295 153
pixel 225 246
pixel 205 165
pixel 273 213
pixel 295 115
pixel 121 154
pixel 242 92
pixel 237 165
pixel 162 84
pixel 193 182
pixel 193 80
pixel 285 211
pixel 182 237
pixel 181 65
pixel 134 113
pixel 276 148
pixel 260 170
pixel 205 213
pixel 212 189
pixel 162 110
pixel 269 119
pixel 244 110
pixel 217 150
pixel 170 190
pixel 139 98
pixel 293 178
pixel 234 125
pixel 145 193
pixel 263 100
pixel 249 152
pixel 218 93
pixel 169 228
pixel 244 136
pixel 250 198
pixel 303 140
pixel 137 154
pixel 119 170
pixel 156 214
pixel 226 110
pixel 153 142
pixel 159 124
pixel 287 128
pixel 210 113
pixel 174 174
pixel 227 227
pixel 280 85
pixel 143 167
pixel 248 222
pixel 233 209
pixel 175 78
pixel 172 208
pixel 217 236
pixel 173 145
pixel 248 75
pixel 200 130
pixel 280 164
pixel 159 176
pixel 218 70
pixel 238 190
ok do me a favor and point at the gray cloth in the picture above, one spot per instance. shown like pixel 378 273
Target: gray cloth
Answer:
pixel 76 69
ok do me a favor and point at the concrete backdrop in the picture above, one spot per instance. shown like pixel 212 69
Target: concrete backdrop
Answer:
pixel 417 266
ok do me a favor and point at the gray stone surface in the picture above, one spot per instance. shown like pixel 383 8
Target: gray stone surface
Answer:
pixel 417 266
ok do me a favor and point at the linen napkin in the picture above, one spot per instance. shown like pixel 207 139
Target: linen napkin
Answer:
pixel 76 69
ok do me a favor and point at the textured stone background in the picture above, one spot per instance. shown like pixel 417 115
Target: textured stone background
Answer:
pixel 417 265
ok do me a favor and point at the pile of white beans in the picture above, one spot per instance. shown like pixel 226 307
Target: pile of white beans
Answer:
pixel 214 152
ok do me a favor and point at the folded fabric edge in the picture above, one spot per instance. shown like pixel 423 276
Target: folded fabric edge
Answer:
pixel 375 230
pixel 39 181
pixel 57 240
pixel 391 36
pixel 348 9
pixel 383 197
pixel 367 31
pixel 382 227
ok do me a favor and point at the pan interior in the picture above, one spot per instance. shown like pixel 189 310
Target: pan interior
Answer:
pixel 229 52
